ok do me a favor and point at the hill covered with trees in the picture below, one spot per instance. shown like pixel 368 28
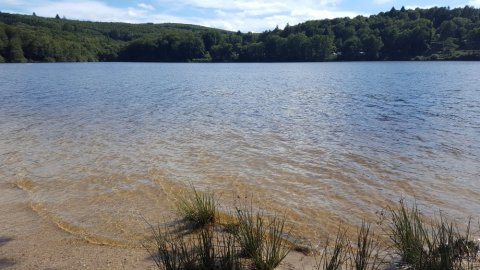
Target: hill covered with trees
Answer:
pixel 421 34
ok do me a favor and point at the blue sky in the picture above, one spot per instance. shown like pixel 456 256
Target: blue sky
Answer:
pixel 244 15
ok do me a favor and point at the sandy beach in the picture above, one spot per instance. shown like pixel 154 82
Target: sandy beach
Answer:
pixel 28 241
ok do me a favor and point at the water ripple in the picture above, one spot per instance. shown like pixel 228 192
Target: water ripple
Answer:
pixel 327 141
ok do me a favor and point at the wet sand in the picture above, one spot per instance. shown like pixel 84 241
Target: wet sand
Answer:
pixel 28 241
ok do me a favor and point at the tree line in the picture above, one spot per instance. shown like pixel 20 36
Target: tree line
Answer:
pixel 420 34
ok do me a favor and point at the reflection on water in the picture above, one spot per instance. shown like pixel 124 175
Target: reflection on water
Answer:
pixel 100 147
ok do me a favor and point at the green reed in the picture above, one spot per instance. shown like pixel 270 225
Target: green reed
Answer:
pixel 198 208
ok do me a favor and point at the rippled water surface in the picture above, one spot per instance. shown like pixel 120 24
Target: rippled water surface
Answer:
pixel 95 146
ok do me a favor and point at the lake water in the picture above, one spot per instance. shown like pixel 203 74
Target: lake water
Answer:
pixel 99 147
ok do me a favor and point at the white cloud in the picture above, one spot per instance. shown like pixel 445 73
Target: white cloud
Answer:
pixel 382 2
pixel 475 3
pixel 11 2
pixel 240 21
pixel 415 7
pixel 244 15
pixel 248 5
pixel 146 6
pixel 254 15
pixel 87 10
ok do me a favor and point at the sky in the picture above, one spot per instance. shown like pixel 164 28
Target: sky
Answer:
pixel 243 15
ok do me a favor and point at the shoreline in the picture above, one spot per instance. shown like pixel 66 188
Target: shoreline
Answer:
pixel 255 62
pixel 29 241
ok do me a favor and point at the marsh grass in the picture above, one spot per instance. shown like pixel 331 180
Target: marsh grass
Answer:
pixel 249 239
pixel 421 243
pixel 334 256
pixel 449 247
pixel 204 250
pixel 366 254
pixel 172 251
pixel 198 208
pixel 250 232
pixel 262 239
pixel 210 248
pixel 430 244
pixel 408 233
pixel 229 252
pixel 275 248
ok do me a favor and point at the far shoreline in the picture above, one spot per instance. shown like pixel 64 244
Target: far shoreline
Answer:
pixel 293 62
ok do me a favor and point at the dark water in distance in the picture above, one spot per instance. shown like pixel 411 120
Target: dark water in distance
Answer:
pixel 93 144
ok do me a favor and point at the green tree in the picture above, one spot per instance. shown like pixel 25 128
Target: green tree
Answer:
pixel 322 47
pixel 447 29
pixel 191 47
pixel 3 39
pixel 372 45
pixel 352 49
pixel 298 47
pixel 223 52
pixel 474 39
pixel 210 38
pixel 397 34
pixel 14 51
pixel 253 52
pixel 450 45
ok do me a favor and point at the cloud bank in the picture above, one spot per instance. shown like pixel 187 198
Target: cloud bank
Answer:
pixel 243 15
pixel 246 15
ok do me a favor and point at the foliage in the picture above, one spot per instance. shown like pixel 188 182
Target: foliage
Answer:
pixel 205 250
pixel 336 256
pixel 434 245
pixel 365 255
pixel 408 233
pixel 262 239
pixel 251 242
pixel 429 34
pixel 198 208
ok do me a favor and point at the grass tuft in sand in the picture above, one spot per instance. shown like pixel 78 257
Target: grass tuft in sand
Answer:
pixel 250 239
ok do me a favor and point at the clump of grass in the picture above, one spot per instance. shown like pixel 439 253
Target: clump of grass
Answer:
pixel 365 256
pixel 443 253
pixel 205 250
pixel 449 248
pixel 341 253
pixel 250 232
pixel 198 208
pixel 229 252
pixel 408 234
pixel 249 241
pixel 275 249
pixel 334 256
pixel 218 251
pixel 172 252
pixel 437 245
pixel 262 240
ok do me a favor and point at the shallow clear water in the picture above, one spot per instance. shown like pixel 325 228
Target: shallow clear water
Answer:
pixel 97 145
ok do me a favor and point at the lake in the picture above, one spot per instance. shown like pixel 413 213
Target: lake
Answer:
pixel 100 147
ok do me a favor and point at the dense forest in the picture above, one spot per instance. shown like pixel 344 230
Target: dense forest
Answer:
pixel 438 33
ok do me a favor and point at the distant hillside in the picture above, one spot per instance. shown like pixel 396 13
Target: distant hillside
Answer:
pixel 421 34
